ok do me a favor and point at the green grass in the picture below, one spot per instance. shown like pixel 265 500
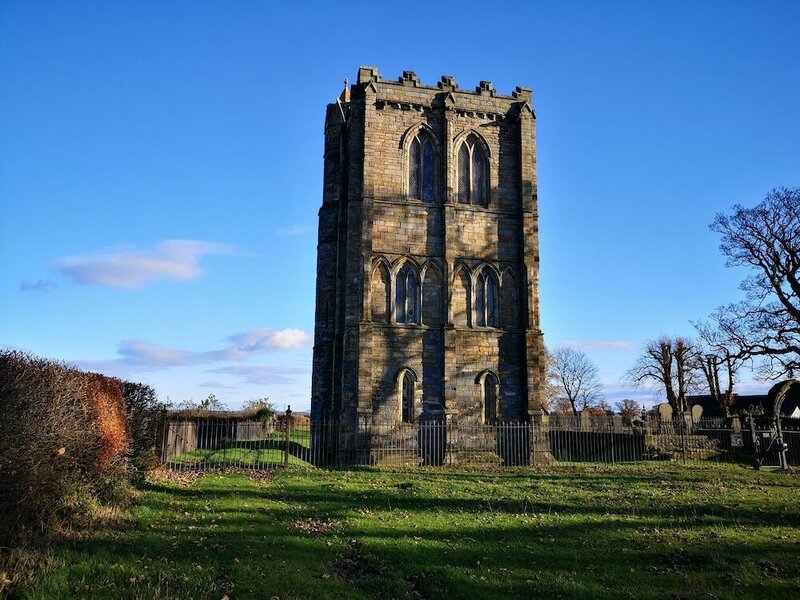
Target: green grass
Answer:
pixel 235 457
pixel 301 435
pixel 238 455
pixel 243 457
pixel 650 531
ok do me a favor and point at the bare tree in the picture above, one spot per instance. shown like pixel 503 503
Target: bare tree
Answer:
pixel 552 384
pixel 211 402
pixel 561 406
pixel 629 408
pixel 765 238
pixel 718 356
pixel 667 363
pixel 600 408
pixel 576 379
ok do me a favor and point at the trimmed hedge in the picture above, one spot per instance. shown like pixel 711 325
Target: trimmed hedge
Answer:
pixel 144 418
pixel 66 433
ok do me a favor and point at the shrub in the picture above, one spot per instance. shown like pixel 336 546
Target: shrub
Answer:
pixel 144 419
pixel 48 437
pixel 104 395
pixel 260 409
pixel 69 443
pixel 69 440
pixel 298 420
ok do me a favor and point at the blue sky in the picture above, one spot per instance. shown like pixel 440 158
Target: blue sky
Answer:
pixel 160 168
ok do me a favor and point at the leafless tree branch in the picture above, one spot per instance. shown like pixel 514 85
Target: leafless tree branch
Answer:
pixel 765 238
pixel 574 378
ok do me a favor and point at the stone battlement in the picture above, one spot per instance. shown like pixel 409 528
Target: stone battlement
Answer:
pixel 447 83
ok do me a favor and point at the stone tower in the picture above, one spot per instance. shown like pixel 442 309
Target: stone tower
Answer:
pixel 427 301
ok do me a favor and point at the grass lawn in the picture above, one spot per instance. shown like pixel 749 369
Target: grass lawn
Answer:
pixel 235 457
pixel 262 452
pixel 654 531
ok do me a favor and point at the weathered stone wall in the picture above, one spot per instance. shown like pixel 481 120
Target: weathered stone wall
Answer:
pixel 369 228
pixel 487 235
pixel 323 393
pixel 478 351
pixel 407 228
pixel 385 163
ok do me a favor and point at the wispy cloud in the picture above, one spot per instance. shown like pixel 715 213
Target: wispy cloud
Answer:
pixel 140 355
pixel 259 340
pixel 213 385
pixel 293 230
pixel 260 375
pixel 170 259
pixel 41 286
pixel 600 345
pixel 145 354
pixel 753 386
pixel 615 392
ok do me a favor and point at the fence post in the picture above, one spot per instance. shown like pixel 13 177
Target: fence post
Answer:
pixel 613 437
pixel 163 440
pixel 784 463
pixel 755 443
pixel 451 440
pixel 225 432
pixel 683 437
pixel 286 445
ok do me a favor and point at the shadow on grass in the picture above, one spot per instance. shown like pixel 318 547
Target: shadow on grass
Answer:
pixel 589 495
pixel 412 534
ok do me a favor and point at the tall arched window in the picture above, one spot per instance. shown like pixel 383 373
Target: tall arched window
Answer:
pixel 406 296
pixel 421 177
pixel 486 301
pixel 407 397
pixel 472 172
pixel 490 384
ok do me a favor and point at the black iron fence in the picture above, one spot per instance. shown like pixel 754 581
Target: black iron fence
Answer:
pixel 209 442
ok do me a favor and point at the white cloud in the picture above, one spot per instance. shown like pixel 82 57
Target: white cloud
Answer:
pixel 293 230
pixel 270 339
pixel 615 392
pixel 753 386
pixel 140 355
pixel 287 339
pixel 262 375
pixel 216 386
pixel 170 259
pixel 139 352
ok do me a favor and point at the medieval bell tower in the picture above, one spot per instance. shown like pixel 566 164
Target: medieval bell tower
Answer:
pixel 427 300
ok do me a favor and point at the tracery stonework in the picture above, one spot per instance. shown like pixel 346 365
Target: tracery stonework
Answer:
pixel 428 256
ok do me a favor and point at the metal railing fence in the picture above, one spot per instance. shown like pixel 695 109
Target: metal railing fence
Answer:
pixel 198 443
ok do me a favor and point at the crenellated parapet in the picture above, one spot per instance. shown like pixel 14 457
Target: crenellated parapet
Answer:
pixel 370 78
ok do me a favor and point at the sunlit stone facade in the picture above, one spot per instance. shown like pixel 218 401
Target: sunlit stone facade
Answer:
pixel 427 300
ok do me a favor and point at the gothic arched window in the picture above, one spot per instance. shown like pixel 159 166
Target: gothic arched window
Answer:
pixel 406 296
pixel 407 397
pixel 472 172
pixel 486 301
pixel 421 177
pixel 490 384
